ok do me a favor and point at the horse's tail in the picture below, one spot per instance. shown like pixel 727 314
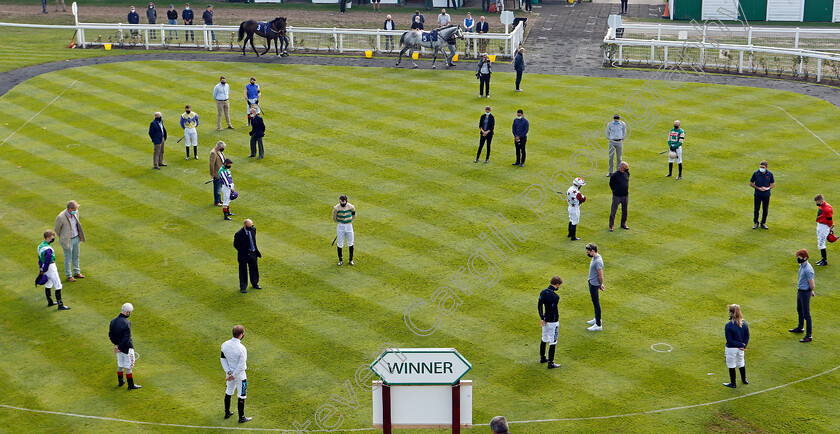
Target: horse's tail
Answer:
pixel 402 38
pixel 242 30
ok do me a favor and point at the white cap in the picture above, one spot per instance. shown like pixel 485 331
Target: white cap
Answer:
pixel 127 307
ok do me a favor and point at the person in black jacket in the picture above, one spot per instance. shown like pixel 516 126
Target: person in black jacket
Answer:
pixel 417 24
pixel 389 40
pixel 187 15
pixel 172 16
pixel 207 16
pixel 245 242
pixel 485 127
pixel 549 320
pixel 257 133
pixel 151 15
pixel 620 186
pixel 120 334
pixel 157 132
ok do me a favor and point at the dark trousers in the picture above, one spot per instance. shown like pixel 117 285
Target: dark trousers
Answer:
pixel 759 203
pixel 254 142
pixel 528 5
pixel 485 5
pixel 454 3
pixel 596 302
pixel 619 200
pixel 483 83
pixel 217 191
pixel 489 139
pixel 389 43
pixel 518 79
pixel 803 308
pixel 520 149
pixel 623 6
pixel 246 268
pixel 343 4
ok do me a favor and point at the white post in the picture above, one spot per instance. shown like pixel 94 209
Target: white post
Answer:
pixel 378 41
pixel 741 64
pixel 146 35
pixel 122 37
pixel 620 51
pixel 291 40
pixel 335 40
pixel 752 52
pixel 652 53
pixel 666 55
pixel 819 69
pixel 659 32
pixel 341 42
pixel 507 40
pixel 703 48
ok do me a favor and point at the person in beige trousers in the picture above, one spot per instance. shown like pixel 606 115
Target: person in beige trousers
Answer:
pixel 69 231
pixel 221 93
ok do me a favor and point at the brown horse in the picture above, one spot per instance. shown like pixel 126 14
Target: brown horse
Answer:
pixel 271 30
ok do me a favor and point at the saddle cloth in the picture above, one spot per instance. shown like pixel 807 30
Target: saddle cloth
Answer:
pixel 430 36
pixel 262 27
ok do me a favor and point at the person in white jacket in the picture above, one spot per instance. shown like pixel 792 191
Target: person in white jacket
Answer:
pixel 234 358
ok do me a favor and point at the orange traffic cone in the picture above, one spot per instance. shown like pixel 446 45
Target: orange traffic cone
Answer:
pixel 667 13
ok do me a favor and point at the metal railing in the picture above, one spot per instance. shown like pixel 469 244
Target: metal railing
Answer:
pixel 796 52
pixel 205 37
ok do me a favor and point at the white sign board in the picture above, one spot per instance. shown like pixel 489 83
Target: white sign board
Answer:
pixel 419 366
pixel 506 17
pixel 423 406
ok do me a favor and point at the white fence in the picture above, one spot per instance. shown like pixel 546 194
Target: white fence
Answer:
pixel 796 52
pixel 301 38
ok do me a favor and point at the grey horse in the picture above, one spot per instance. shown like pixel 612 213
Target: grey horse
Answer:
pixel 412 38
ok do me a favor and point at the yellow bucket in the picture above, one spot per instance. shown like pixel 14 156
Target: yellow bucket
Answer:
pixel 455 58
pixel 107 47
pixel 415 56
pixel 492 58
pixel 368 54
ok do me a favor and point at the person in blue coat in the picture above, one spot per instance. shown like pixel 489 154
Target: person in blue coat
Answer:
pixel 187 15
pixel 737 337
pixel 519 66
pixel 157 132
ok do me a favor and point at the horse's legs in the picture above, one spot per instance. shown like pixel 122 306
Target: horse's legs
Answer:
pixel 434 59
pixel 244 44
pixel 401 55
pixel 411 54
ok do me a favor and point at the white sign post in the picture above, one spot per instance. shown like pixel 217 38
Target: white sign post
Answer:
pixel 507 19
pixel 438 372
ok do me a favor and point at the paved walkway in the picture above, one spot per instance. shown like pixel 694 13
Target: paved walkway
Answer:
pixel 563 39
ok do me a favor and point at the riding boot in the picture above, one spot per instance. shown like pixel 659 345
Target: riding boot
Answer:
pixel 570 230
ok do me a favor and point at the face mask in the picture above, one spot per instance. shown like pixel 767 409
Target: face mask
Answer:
pixel 487 113
pixel 51 241
pixel 227 167
pixel 73 212
pixel 132 10
pixel 800 260
pixel 188 112
pixel 676 127
pixel 188 8
pixel 627 171
pixel 519 117
pixel 157 119
pixel 762 170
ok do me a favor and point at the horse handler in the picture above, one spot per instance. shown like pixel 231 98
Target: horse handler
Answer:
pixel 252 97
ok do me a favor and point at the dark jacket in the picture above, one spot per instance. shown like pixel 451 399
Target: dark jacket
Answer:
pixel 737 337
pixel 187 15
pixel 490 124
pixel 548 300
pixel 133 18
pixel 521 127
pixel 155 133
pixel 151 14
pixel 416 26
pixel 172 14
pixel 620 183
pixel 422 18
pixel 120 333
pixel 243 245
pixel 519 62
pixel 257 127
pixel 207 16
pixel 385 25
pixel 482 27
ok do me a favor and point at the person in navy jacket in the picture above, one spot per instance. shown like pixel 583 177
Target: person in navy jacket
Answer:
pixel 520 136
pixel 187 15
pixel 134 18
pixel 737 337
pixel 485 127
pixel 157 132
